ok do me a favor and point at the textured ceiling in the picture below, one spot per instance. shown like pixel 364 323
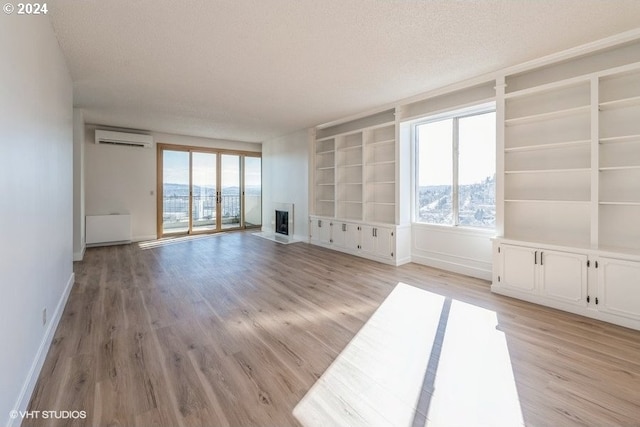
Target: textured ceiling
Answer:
pixel 251 70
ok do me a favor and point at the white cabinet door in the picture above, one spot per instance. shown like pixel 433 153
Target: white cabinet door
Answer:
pixel 338 234
pixel 367 239
pixel 563 276
pixel 314 231
pixel 518 268
pixel 320 230
pixel 377 241
pixel 384 242
pixel 352 237
pixel 619 287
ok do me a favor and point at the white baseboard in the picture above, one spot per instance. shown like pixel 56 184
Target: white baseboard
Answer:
pixel 27 389
pixel 452 266
pixel 79 256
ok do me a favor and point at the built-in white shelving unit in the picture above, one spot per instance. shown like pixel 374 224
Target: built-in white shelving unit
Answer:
pixel 356 189
pixel 619 159
pixel 325 176
pixel 547 154
pixel 571 186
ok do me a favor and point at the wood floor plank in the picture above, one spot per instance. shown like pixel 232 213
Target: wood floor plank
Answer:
pixel 234 330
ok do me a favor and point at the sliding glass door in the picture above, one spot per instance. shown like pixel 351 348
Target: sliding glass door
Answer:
pixel 202 190
pixel 175 192
pixel 252 191
pixel 230 201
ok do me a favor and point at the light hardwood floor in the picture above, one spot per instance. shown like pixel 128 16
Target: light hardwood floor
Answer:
pixel 233 330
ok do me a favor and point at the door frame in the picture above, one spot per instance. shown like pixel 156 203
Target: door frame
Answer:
pixel 160 147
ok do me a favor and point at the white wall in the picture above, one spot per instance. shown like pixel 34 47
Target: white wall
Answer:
pixel 122 179
pixel 461 251
pixel 78 185
pixel 285 172
pixel 36 166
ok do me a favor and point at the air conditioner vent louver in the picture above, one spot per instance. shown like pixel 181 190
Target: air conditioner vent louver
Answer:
pixel 123 138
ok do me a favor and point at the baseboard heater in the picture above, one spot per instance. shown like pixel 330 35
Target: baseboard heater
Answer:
pixel 107 229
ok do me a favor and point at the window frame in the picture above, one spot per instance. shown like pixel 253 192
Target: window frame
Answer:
pixel 455 115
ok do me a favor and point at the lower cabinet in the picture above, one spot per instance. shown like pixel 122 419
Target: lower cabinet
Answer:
pixel 377 241
pixel 619 287
pixel 581 281
pixel 557 275
pixel 563 276
pixel 345 235
pixel 369 241
pixel 320 230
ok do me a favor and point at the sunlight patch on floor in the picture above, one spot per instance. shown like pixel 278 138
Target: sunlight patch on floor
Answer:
pixel 165 241
pixel 381 377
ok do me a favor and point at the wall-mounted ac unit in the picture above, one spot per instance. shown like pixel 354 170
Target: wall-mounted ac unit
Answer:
pixel 122 138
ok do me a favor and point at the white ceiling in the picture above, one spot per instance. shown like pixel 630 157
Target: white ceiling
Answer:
pixel 251 70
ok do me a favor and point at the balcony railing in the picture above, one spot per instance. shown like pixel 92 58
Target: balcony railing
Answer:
pixel 176 210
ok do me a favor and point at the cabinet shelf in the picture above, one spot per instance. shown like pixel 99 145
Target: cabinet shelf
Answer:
pixel 354 165
pixel 620 203
pixel 617 139
pixel 548 87
pixel 382 203
pixel 572 170
pixel 551 146
pixel 548 115
pixel 326 200
pixel 546 201
pixel 381 182
pixel 350 201
pixel 355 147
pixel 324 168
pixel 385 162
pixel 619 103
pixel 326 184
pixel 351 183
pixel 618 168
pixel 386 141
pixel 325 152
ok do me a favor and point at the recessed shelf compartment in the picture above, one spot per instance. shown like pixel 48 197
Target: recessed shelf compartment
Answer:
pixel 541 105
pixel 620 185
pixel 619 226
pixel 552 131
pixel 566 223
pixel 562 157
pixel 548 115
pixel 380 213
pixel 353 140
pixel 551 146
pixel 620 121
pixel 620 88
pixel 549 186
pixel 619 103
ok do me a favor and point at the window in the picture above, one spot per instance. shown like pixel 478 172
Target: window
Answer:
pixel 456 169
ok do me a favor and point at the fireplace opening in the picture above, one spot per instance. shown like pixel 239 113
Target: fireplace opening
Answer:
pixel 282 222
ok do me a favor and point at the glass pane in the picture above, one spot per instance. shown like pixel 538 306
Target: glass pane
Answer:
pixel 175 191
pixel 204 191
pixel 252 191
pixel 435 172
pixel 477 170
pixel 230 208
